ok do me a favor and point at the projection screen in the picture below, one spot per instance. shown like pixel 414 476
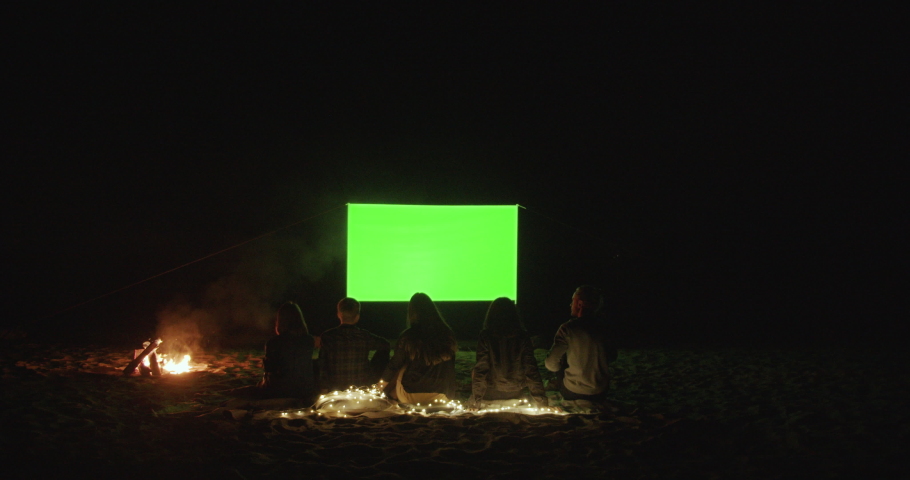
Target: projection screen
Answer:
pixel 450 252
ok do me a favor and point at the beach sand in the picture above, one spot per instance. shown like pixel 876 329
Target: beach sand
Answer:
pixel 673 413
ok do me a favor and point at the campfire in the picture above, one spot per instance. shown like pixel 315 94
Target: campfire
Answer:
pixel 149 362
pixel 174 366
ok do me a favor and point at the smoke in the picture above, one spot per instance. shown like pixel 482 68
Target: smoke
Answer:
pixel 182 327
pixel 319 258
pixel 238 308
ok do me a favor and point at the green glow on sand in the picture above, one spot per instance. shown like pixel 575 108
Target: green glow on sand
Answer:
pixel 452 253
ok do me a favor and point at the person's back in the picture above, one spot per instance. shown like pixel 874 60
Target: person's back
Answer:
pixel 582 349
pixel 288 362
pixel 344 356
pixel 288 366
pixel 505 366
pixel 587 356
pixel 505 363
pixel 423 366
pixel 421 375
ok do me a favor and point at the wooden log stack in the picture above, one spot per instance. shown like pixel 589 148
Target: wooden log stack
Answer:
pixel 149 350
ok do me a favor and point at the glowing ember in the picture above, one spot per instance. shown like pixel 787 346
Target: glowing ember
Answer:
pixel 173 366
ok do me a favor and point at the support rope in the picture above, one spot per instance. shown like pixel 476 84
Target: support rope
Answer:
pixel 219 252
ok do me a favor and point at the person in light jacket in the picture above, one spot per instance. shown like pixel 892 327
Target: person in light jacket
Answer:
pixel 583 349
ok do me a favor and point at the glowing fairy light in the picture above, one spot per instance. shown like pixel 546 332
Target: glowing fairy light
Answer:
pixel 354 401
pixel 522 406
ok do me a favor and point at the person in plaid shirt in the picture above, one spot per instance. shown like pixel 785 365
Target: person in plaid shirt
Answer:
pixel 344 355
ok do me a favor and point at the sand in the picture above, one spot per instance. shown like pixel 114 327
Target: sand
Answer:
pixel 673 413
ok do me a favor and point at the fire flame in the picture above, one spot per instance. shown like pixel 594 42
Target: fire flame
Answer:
pixel 173 366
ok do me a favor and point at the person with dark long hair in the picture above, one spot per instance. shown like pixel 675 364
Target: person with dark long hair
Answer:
pixel 506 367
pixel 422 368
pixel 288 361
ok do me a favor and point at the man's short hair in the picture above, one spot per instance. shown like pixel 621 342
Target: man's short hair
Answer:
pixel 349 308
pixel 591 298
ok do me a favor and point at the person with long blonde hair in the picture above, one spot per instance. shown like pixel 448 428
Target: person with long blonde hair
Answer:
pixel 422 368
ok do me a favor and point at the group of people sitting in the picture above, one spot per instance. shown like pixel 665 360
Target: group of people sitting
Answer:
pixel 421 369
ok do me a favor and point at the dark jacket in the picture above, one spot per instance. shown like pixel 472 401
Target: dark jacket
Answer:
pixel 505 365
pixel 344 358
pixel 418 376
pixel 288 366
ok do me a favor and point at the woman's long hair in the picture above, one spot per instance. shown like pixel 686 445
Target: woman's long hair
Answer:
pixel 289 320
pixel 502 317
pixel 428 339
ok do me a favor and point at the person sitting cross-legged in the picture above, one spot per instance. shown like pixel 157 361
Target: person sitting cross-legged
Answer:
pixel 344 354
pixel 422 370
pixel 583 349
pixel 506 366
pixel 288 362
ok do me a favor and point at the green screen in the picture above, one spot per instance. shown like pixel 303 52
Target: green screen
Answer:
pixel 452 253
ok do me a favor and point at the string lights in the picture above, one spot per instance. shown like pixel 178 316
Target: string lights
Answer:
pixel 353 401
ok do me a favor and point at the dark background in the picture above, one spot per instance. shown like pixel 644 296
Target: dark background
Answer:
pixel 728 174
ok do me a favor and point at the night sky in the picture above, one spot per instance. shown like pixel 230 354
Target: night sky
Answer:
pixel 727 174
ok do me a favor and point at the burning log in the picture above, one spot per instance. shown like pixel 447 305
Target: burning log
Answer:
pixel 153 363
pixel 138 360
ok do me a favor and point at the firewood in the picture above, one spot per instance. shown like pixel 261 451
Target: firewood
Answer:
pixel 153 363
pixel 136 361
